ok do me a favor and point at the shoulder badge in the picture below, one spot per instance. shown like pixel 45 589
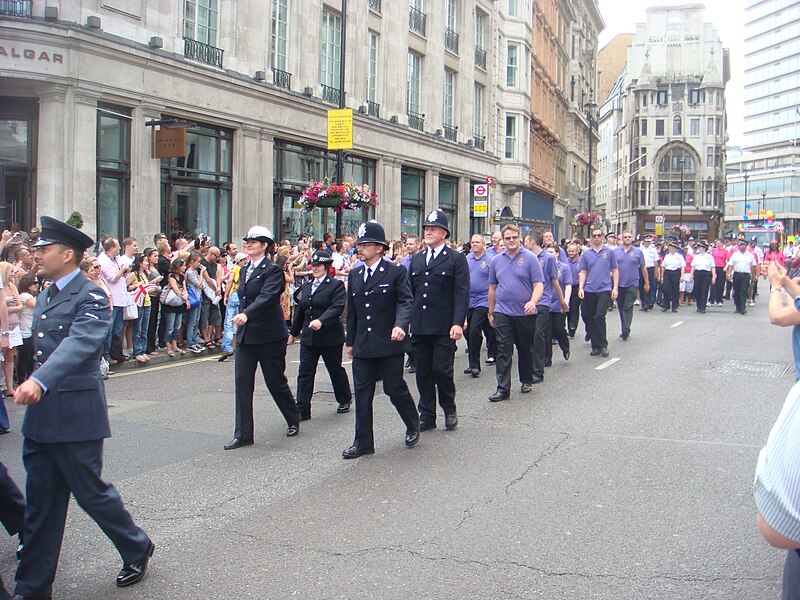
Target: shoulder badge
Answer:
pixel 96 296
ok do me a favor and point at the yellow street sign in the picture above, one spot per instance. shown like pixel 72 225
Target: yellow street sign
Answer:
pixel 659 229
pixel 340 129
pixel 480 207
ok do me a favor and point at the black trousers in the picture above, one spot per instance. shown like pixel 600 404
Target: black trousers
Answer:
pixel 272 358
pixel 152 326
pixel 648 299
pixel 671 286
pixel 55 471
pixel 434 355
pixel 625 300
pixel 12 504
pixel 25 360
pixel 477 327
pixel 702 283
pixel 595 307
pixel 574 311
pixel 540 340
pixel 365 374
pixel 514 331
pixel 309 358
pixel 741 283
pixel 718 288
pixel 558 332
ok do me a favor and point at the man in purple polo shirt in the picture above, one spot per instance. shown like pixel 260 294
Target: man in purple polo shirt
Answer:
pixel 496 247
pixel 549 240
pixel 478 312
pixel 515 288
pixel 574 256
pixel 631 265
pixel 598 281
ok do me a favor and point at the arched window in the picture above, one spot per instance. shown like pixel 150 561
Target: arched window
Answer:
pixel 677 125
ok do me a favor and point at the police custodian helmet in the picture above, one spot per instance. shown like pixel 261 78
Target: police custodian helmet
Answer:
pixel 438 218
pixel 259 233
pixel 371 232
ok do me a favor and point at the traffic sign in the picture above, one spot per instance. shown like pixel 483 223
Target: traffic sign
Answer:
pixel 489 180
pixel 659 218
pixel 480 208
pixel 480 190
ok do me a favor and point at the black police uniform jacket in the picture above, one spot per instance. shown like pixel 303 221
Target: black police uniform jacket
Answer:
pixel 327 305
pixel 260 300
pixel 375 308
pixel 68 337
pixel 441 292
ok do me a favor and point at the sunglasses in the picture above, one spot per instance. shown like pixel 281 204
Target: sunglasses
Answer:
pixel 597 235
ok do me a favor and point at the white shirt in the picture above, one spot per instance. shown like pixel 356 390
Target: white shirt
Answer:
pixel 759 254
pixel 370 270
pixel 703 261
pixel 252 268
pixel 673 262
pixel 432 254
pixel 742 262
pixel 650 255
pixel 108 269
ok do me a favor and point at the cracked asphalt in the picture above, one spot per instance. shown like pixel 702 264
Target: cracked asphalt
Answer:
pixel 634 481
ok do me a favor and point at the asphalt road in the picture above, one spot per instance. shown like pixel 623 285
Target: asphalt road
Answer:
pixel 629 477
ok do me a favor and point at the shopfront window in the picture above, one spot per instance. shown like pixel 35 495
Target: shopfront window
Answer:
pixel 412 200
pixel 113 171
pixel 18 134
pixel 196 190
pixel 448 202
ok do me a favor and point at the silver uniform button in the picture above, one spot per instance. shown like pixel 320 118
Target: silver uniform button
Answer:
pixel 39 353
pixel 424 295
pixel 61 327
pixel 40 334
pixel 369 328
pixel 426 284
pixel 44 317
pixel 368 317
pixel 424 307
pixel 366 305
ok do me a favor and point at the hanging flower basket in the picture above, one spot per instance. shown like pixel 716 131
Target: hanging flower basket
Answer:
pixel 682 229
pixel 339 197
pixel 589 218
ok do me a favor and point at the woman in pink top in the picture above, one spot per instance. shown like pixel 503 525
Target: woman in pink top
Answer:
pixel 720 254
pixel 774 254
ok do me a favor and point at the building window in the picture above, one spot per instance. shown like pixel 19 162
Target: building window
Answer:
pixel 331 56
pixel 511 136
pixel 449 89
pixel 413 83
pixel 659 127
pixel 512 65
pixel 642 157
pixel 513 8
pixel 710 126
pixel 477 114
pixel 280 11
pixel 200 21
pixel 448 201
pixel 644 127
pixel 480 53
pixel 196 188
pixel 113 171
pixel 372 68
pixel 661 98
pixel 694 127
pixel 451 15
pixel 644 99
pixel 694 96
pixel 677 125
pixel 412 200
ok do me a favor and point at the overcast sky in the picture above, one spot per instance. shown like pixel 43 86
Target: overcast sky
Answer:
pixel 727 17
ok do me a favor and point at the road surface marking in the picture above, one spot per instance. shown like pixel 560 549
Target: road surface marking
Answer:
pixel 607 364
pixel 140 371
pixel 674 325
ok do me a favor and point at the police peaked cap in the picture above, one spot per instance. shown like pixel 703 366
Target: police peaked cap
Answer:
pixel 675 245
pixel 371 232
pixel 58 232
pixel 438 218
pixel 321 257
pixel 702 244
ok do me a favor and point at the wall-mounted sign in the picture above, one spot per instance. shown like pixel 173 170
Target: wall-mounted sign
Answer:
pixel 170 143
pixel 15 55
pixel 340 129
pixel 480 207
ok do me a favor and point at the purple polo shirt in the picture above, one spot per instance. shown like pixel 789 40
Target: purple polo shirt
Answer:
pixel 598 267
pixel 478 280
pixel 549 266
pixel 515 278
pixel 629 264
pixel 491 252
pixel 564 277
pixel 574 267
pixel 406 262
pixel 562 255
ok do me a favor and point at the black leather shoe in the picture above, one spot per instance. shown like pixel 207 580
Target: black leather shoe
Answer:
pixel 664 309
pixel 133 572
pixel 293 430
pixel 237 443
pixel 224 356
pixel 467 371
pixel 604 351
pixel 412 437
pixel 594 353
pixel 548 363
pixel 566 354
pixel 586 338
pixel 343 408
pixel 498 397
pixel 624 336
pixel 475 373
pixel 451 421
pixel 20 546
pixel 355 452
pixel 426 425
pixel 674 310
pixel 644 309
pixel 536 380
pixel 525 388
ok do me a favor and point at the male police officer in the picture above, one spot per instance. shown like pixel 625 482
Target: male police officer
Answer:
pixel 440 284
pixel 378 314
pixel 261 338
pixel 67 419
pixel 318 311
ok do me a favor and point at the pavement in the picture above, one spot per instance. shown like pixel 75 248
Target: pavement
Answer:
pixel 621 478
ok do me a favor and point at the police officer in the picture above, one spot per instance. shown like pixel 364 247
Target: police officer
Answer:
pixel 318 311
pixel 670 274
pixel 378 315
pixel 440 284
pixel 261 338
pixel 66 419
pixel 651 258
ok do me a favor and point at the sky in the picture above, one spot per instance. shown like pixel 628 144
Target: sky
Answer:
pixel 727 17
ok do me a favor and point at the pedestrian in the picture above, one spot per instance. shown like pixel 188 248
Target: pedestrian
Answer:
pixel 558 312
pixel 632 268
pixel 741 271
pixel 756 250
pixel 195 282
pixel 29 289
pixel 174 304
pixel 516 283
pixel 155 280
pixel 114 271
pixel 574 257
pixel 774 254
pixel 318 323
pixel 231 305
pixel 163 267
pixel 14 307
pixel 210 324
pixel 497 245
pixel 784 315
pixel 378 315
pixel 731 247
pixel 599 278
pixel 440 284
pixel 139 286
pixel 548 240
pixel 261 338
pixel 686 285
pixel 66 420
pixel 478 311
pixel 651 259
pixel 720 255
pixel 670 276
pixel 704 275
pixel 412 246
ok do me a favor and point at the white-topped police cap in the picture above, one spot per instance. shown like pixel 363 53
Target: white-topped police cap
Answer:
pixel 58 232
pixel 259 233
pixel 371 232
pixel 438 218
pixel 321 257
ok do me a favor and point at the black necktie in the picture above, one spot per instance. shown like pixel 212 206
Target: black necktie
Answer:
pixel 369 277
pixel 52 291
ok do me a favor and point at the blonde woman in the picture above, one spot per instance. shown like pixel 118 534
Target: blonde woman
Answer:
pixel 11 296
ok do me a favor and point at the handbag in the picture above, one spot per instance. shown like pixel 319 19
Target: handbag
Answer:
pixel 192 298
pixel 211 295
pixel 130 312
pixel 169 297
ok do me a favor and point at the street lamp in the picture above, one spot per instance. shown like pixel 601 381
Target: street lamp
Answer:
pixel 589 109
pixel 746 177
pixel 683 157
pixel 762 203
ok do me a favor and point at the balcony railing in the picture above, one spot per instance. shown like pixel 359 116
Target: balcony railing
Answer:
pixel 373 109
pixel 450 133
pixel 330 94
pixel 479 142
pixel 16 8
pixel 416 120
pixel 480 57
pixel 281 78
pixel 375 5
pixel 416 20
pixel 451 40
pixel 202 52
